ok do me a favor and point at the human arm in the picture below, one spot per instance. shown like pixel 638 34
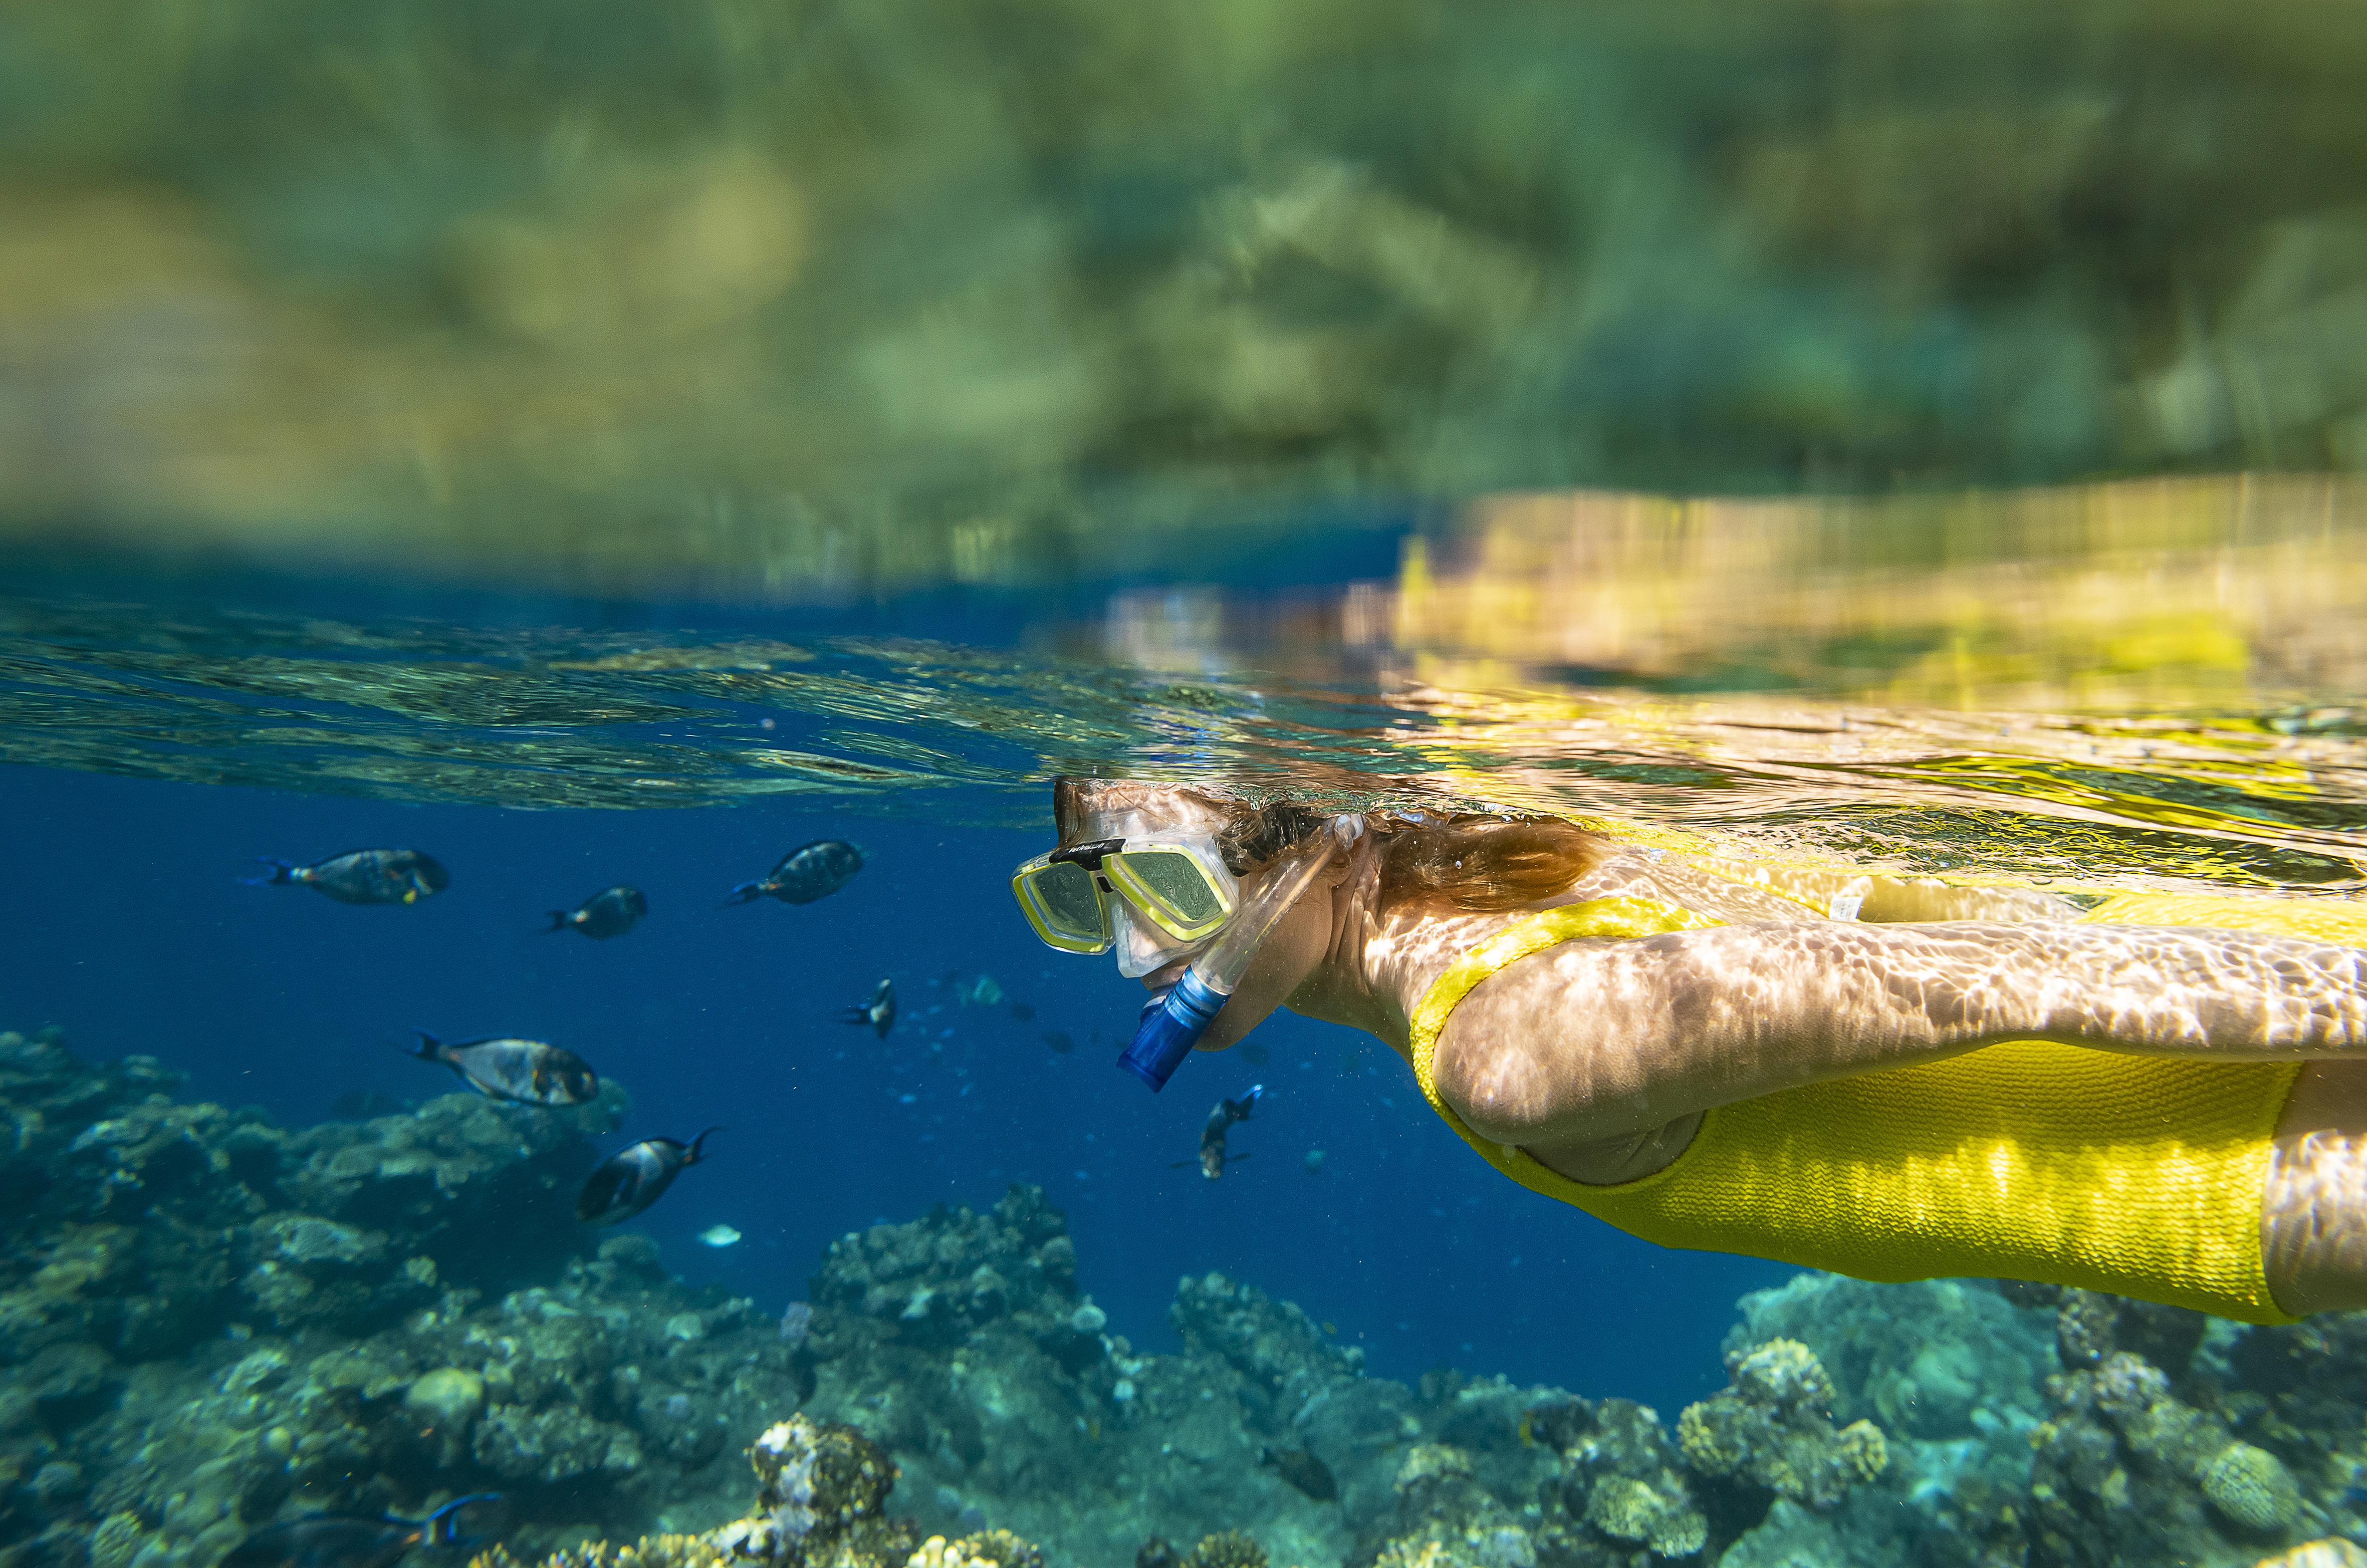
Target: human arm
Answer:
pixel 1598 1040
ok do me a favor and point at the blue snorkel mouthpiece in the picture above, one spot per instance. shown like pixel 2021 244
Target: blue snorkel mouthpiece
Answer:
pixel 1172 1022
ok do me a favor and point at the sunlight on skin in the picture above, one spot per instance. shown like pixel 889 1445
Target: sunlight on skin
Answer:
pixel 1599 1057
pixel 2314 1214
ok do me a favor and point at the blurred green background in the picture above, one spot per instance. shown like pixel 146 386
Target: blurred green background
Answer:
pixel 788 298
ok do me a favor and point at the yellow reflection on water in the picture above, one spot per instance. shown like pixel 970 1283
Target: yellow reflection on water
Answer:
pixel 2139 595
pixel 2156 678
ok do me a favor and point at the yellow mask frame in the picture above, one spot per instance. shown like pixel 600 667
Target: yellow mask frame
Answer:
pixel 1180 885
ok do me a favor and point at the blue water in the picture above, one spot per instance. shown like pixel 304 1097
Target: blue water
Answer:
pixel 128 925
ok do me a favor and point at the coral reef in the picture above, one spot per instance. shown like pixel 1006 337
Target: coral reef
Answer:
pixel 1623 1486
pixel 2128 1471
pixel 2072 1429
pixel 208 1322
pixel 821 1499
pixel 1772 1427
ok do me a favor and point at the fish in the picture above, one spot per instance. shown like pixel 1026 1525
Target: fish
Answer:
pixel 880 1012
pixel 336 1540
pixel 718 1235
pixel 527 1072
pixel 362 876
pixel 1059 1040
pixel 1212 1134
pixel 1023 1012
pixel 807 873
pixel 1313 1163
pixel 632 1178
pixel 612 911
pixel 1302 1469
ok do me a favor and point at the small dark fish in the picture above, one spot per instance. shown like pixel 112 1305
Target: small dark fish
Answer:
pixel 807 873
pixel 333 1540
pixel 527 1071
pixel 362 876
pixel 632 1178
pixel 1254 1052
pixel 1212 1135
pixel 880 1012
pixel 1023 1012
pixel 1302 1469
pixel 612 911
pixel 1059 1040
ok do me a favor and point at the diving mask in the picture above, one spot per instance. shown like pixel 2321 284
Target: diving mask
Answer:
pixel 1153 897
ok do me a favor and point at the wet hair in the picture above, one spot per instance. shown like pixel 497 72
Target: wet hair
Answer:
pixel 1481 864
pixel 1471 863
pixel 1260 835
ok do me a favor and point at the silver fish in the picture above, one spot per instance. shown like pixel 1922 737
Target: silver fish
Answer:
pixel 527 1071
pixel 634 1177
pixel 807 873
pixel 362 876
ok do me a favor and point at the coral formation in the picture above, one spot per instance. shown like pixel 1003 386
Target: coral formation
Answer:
pixel 210 1323
pixel 1632 1510
pixel 2127 1469
pixel 2252 1487
pixel 822 1497
pixel 1228 1549
pixel 2158 1437
pixel 1773 1427
pixel 1623 1485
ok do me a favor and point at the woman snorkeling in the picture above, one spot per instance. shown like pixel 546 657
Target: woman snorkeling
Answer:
pixel 2164 1097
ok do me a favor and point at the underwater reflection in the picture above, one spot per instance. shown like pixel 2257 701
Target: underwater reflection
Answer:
pixel 2155 678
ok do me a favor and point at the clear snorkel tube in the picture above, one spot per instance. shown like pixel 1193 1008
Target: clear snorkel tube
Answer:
pixel 1174 1020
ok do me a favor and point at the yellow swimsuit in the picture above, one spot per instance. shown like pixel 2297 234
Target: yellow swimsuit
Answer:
pixel 2027 1160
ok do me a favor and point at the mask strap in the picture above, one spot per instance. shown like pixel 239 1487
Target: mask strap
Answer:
pixel 1087 855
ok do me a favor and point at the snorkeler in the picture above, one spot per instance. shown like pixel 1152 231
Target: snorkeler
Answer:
pixel 2164 1097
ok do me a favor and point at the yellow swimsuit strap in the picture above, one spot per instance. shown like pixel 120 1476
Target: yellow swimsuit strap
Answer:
pixel 1534 933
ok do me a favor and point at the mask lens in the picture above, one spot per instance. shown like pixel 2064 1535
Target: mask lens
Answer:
pixel 1065 907
pixel 1173 888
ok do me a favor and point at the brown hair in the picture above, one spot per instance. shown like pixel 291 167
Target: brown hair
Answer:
pixel 1480 864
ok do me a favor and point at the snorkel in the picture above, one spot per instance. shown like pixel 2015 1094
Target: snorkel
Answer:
pixel 1173 1019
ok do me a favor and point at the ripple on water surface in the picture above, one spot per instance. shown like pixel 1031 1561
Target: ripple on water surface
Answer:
pixel 2150 679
